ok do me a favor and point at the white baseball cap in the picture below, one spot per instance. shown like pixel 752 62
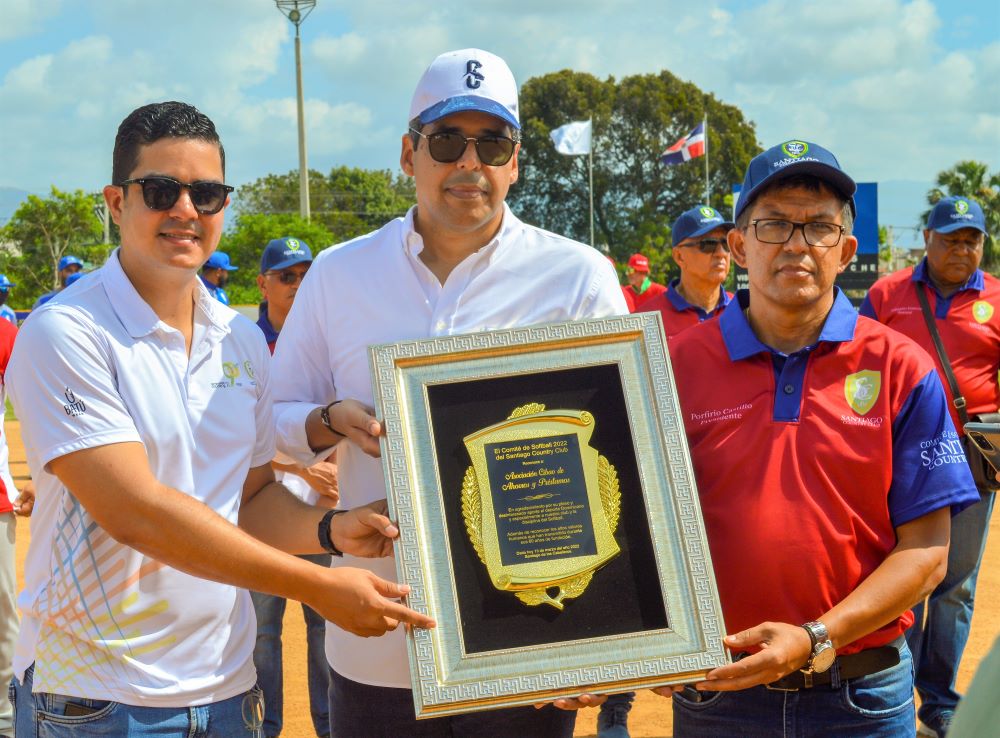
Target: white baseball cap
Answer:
pixel 469 79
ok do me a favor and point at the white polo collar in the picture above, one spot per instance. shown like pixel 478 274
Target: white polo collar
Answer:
pixel 413 242
pixel 137 316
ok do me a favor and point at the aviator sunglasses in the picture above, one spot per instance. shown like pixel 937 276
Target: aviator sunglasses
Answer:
pixel 493 150
pixel 162 193
pixel 709 245
pixel 287 277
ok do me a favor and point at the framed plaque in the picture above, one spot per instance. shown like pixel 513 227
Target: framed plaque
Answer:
pixel 548 514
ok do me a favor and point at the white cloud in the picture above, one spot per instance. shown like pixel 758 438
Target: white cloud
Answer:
pixel 875 80
pixel 25 17
pixel 342 51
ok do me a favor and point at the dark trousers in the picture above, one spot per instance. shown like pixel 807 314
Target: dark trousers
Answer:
pixel 363 711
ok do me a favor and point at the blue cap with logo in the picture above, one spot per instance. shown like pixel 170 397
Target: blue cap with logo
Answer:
pixel 220 260
pixel 5 284
pixel 68 261
pixel 282 253
pixel 468 79
pixel 788 160
pixel 697 222
pixel 952 213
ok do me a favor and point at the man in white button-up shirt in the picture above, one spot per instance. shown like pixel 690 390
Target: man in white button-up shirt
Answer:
pixel 459 262
pixel 145 406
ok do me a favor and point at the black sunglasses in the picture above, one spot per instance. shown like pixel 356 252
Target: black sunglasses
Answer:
pixel 709 245
pixel 162 193
pixel 493 150
pixel 287 277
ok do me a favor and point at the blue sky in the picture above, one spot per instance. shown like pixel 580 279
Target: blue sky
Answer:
pixel 898 89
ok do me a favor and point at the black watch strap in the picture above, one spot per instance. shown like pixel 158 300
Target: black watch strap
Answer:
pixel 324 416
pixel 325 539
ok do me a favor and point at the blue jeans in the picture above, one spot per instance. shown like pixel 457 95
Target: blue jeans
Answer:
pixel 875 706
pixel 938 640
pixel 54 716
pixel 267 659
pixel 364 711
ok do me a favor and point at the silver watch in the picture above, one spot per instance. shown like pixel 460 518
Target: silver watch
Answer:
pixel 823 653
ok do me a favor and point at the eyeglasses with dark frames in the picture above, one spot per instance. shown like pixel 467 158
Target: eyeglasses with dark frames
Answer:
pixel 815 233
pixel 448 147
pixel 709 245
pixel 162 193
pixel 288 277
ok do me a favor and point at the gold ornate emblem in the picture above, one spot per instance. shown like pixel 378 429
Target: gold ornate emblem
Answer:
pixel 540 505
pixel 862 389
pixel 982 311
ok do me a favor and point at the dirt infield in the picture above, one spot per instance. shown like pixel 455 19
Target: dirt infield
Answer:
pixel 650 717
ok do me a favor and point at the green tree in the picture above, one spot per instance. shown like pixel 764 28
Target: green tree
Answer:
pixel 246 239
pixel 636 198
pixel 42 231
pixel 348 201
pixel 972 179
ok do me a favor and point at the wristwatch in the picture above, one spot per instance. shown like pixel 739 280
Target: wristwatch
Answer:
pixel 823 653
pixel 324 416
pixel 324 535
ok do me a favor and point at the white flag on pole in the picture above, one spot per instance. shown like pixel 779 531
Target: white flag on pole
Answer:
pixel 572 138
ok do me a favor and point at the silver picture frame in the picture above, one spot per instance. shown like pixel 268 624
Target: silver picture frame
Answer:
pixel 483 656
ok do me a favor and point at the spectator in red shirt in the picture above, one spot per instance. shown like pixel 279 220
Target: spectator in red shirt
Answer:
pixel 641 287
pixel 966 306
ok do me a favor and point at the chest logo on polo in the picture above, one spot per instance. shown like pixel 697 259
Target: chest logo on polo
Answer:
pixel 861 390
pixel 231 370
pixel 982 311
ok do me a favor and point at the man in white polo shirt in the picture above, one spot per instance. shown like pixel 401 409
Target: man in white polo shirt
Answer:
pixel 459 262
pixel 145 408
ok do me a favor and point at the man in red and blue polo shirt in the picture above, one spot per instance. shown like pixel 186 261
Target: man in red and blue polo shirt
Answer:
pixel 966 306
pixel 701 252
pixel 827 466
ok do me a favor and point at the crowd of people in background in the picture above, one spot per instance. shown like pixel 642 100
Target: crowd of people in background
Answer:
pixel 188 483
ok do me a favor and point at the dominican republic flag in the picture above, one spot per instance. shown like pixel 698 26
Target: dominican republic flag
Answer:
pixel 687 148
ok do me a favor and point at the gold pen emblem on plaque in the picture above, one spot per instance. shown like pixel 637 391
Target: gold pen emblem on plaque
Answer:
pixel 540 505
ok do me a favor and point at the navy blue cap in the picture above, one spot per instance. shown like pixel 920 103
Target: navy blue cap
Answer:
pixel 697 222
pixel 220 260
pixel 282 253
pixel 5 284
pixel 788 160
pixel 68 261
pixel 952 213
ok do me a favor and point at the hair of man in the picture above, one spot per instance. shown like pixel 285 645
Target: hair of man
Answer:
pixel 152 122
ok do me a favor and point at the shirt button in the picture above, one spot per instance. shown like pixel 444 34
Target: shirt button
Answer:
pixel 789 389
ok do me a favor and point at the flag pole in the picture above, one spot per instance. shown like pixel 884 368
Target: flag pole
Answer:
pixel 590 167
pixel 708 191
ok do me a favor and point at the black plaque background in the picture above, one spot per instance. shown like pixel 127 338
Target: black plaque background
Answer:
pixel 624 596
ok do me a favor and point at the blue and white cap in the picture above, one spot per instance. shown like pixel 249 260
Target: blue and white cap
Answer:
pixel 697 222
pixel 789 159
pixel 281 253
pixel 469 79
pixel 5 283
pixel 953 213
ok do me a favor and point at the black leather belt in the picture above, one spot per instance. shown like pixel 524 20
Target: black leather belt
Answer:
pixel 853 666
